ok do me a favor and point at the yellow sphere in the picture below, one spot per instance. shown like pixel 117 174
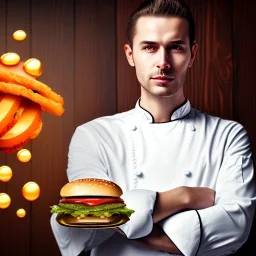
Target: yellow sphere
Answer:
pixel 10 58
pixel 24 155
pixel 5 173
pixel 19 35
pixel 5 200
pixel 21 213
pixel 31 191
pixel 33 67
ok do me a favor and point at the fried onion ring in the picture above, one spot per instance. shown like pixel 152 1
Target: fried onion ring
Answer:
pixel 46 104
pixel 30 83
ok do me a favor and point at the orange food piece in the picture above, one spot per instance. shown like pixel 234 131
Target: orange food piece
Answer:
pixel 22 131
pixel 37 131
pixel 14 148
pixel 46 104
pixel 9 105
pixel 16 75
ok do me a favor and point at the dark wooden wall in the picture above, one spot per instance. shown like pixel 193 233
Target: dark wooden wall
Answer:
pixel 80 44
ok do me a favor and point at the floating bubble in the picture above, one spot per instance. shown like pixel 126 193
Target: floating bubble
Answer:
pixel 5 173
pixel 19 35
pixel 33 67
pixel 31 191
pixel 21 213
pixel 24 155
pixel 5 200
pixel 10 58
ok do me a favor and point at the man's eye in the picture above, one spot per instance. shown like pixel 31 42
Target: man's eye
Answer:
pixel 149 48
pixel 175 47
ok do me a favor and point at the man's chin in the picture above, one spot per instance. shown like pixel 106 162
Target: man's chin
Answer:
pixel 164 94
pixel 161 91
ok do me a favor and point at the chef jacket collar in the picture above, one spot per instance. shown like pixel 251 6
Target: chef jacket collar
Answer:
pixel 179 113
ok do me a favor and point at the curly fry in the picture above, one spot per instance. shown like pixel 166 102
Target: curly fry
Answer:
pixel 46 104
pixel 30 83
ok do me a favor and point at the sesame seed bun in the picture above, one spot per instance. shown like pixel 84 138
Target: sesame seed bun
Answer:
pixel 91 187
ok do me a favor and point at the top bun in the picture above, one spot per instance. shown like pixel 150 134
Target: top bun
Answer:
pixel 91 187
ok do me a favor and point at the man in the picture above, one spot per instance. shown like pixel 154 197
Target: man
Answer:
pixel 187 175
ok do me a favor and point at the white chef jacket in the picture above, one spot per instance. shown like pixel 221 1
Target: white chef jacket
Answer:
pixel 142 157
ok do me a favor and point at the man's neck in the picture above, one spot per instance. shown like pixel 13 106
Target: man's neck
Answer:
pixel 161 108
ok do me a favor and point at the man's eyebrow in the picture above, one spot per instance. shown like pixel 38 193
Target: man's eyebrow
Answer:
pixel 178 42
pixel 171 42
pixel 147 42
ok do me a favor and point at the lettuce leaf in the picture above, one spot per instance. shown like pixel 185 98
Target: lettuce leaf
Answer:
pixel 88 208
pixel 78 211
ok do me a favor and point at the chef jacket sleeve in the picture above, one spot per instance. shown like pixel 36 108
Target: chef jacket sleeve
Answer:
pixel 85 161
pixel 84 156
pixel 72 241
pixel 224 227
pixel 141 222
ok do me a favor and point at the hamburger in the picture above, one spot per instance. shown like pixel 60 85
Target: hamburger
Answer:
pixel 91 203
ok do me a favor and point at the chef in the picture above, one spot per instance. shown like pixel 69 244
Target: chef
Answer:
pixel 187 175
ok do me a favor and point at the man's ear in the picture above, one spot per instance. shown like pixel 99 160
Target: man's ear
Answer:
pixel 128 53
pixel 193 54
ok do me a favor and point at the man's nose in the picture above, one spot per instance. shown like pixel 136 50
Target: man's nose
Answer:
pixel 163 60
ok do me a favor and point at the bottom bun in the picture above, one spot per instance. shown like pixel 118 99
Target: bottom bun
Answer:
pixel 91 222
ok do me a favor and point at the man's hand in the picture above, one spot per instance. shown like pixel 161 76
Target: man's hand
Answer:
pixel 158 240
pixel 182 198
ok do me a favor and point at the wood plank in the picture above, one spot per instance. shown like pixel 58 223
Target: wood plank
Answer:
pixel 3 50
pixel 244 57
pixel 53 43
pixel 210 80
pixel 3 234
pixel 17 229
pixel 244 38
pixel 128 87
pixel 95 87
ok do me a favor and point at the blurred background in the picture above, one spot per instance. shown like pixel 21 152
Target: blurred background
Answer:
pixel 80 44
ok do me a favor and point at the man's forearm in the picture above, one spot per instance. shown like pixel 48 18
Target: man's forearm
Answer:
pixel 169 202
pixel 181 198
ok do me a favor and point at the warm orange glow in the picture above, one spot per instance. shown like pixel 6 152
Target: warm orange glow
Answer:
pixel 21 213
pixel 33 67
pixel 5 200
pixel 24 155
pixel 19 35
pixel 31 191
pixel 10 58
pixel 5 173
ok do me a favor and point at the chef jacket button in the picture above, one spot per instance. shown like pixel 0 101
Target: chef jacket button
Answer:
pixel 138 173
pixel 132 127
pixel 192 128
pixel 188 173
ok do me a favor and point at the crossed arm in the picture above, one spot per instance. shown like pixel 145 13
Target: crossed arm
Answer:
pixel 170 202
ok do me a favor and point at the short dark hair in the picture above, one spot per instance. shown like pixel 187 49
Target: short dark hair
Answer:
pixel 162 8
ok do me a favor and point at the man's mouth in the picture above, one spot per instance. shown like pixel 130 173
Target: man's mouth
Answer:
pixel 162 79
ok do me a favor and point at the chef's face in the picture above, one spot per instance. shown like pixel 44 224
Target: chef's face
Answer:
pixel 161 54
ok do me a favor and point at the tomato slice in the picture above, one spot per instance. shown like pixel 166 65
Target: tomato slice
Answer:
pixel 91 201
